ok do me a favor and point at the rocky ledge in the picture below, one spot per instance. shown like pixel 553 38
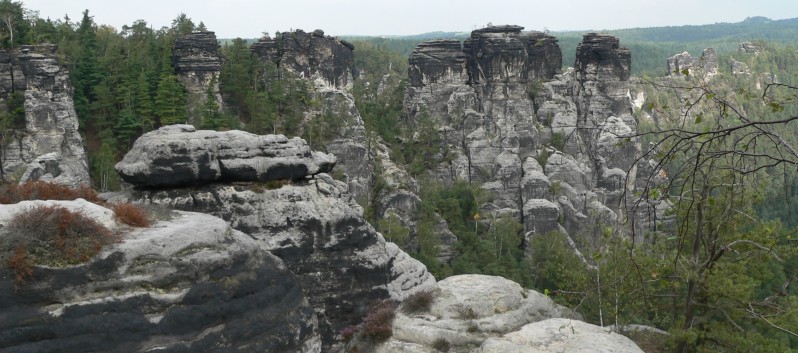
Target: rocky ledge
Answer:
pixel 188 284
pixel 478 313
pixel 312 224
pixel 179 155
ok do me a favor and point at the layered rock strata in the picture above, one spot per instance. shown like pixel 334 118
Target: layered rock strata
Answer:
pixel 198 63
pixel 551 147
pixel 478 313
pixel 179 155
pixel 327 63
pixel 185 284
pixel 312 224
pixel 686 65
pixel 49 147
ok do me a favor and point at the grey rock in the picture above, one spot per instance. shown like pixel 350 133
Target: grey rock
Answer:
pixel 179 155
pixel 705 65
pixel 560 335
pixel 748 48
pixel 467 310
pixel 187 284
pixel 310 55
pixel 51 124
pixel 314 226
pixel 541 216
pixel 198 64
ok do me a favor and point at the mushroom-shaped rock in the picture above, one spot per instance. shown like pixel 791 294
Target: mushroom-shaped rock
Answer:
pixel 179 155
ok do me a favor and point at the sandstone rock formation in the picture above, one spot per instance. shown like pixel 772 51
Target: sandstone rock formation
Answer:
pixel 549 146
pixel 313 225
pixel 198 63
pixel 478 313
pixel 51 124
pixel 179 155
pixel 327 63
pixel 185 284
pixel 560 335
pixel 706 64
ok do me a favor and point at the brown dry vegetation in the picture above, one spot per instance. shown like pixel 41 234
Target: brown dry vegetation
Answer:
pixel 49 235
pixel 42 190
pixel 132 215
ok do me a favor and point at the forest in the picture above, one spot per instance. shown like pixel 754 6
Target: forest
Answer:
pixel 723 277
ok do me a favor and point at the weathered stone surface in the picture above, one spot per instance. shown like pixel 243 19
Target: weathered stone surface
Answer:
pixel 467 310
pixel 198 63
pixel 178 155
pixel 51 124
pixel 310 55
pixel 326 62
pixel 342 263
pixel 748 48
pixel 560 335
pixel 187 284
pixel 705 65
pixel 541 216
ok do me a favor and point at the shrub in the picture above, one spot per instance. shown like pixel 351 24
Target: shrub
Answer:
pixel 132 215
pixel 42 190
pixel 52 236
pixel 441 345
pixel 418 302
pixel 378 324
pixel 348 332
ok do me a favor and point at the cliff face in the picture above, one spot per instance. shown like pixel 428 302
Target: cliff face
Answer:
pixel 188 284
pixel 197 62
pixel 327 63
pixel 49 147
pixel 312 224
pixel 547 145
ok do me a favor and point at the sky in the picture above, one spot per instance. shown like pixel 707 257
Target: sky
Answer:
pixel 251 18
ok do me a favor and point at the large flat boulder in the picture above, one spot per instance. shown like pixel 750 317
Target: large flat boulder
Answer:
pixel 180 155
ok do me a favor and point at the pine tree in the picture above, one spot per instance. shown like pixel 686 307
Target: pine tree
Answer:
pixel 170 101
pixel 87 74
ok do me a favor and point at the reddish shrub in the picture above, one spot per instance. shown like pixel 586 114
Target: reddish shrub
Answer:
pixel 132 215
pixel 21 266
pixel 51 236
pixel 378 324
pixel 42 190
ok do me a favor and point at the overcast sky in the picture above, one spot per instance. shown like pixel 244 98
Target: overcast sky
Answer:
pixel 250 18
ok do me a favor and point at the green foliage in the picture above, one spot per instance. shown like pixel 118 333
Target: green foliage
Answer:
pixel 393 230
pixel 170 101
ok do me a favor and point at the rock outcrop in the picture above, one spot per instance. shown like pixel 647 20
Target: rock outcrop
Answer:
pixel 560 335
pixel 314 226
pixel 49 147
pixel 478 313
pixel 706 64
pixel 198 63
pixel 180 155
pixel 311 55
pixel 326 62
pixel 189 283
pixel 549 146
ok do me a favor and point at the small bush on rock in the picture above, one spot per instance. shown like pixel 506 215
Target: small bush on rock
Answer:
pixel 132 215
pixel 441 345
pixel 377 326
pixel 42 190
pixel 418 302
pixel 51 236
